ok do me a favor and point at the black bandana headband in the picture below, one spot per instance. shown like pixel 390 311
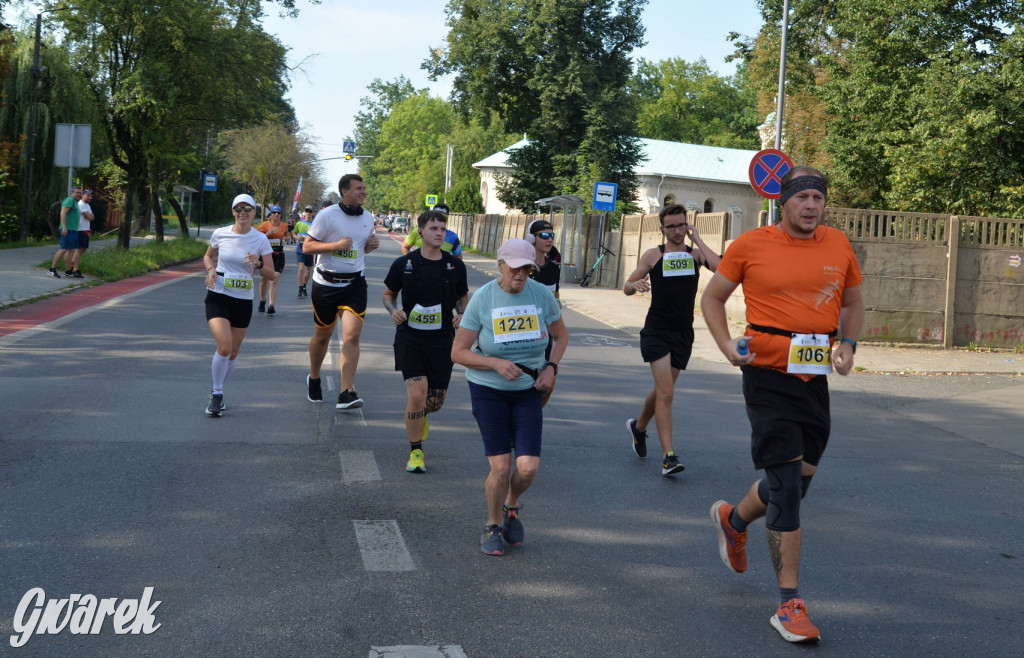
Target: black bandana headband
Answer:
pixel 801 183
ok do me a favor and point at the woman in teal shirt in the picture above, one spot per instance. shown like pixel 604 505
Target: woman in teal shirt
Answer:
pixel 501 341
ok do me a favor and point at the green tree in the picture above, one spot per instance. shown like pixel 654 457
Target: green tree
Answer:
pixel 269 159
pixel 142 62
pixel 688 102
pixel 557 70
pixel 377 106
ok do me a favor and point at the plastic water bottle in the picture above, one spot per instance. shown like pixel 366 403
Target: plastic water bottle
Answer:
pixel 741 346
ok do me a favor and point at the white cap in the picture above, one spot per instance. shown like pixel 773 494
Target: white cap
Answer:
pixel 243 198
pixel 517 253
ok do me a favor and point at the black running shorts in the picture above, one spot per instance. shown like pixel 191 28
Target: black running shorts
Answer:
pixel 237 311
pixel 331 301
pixel 656 343
pixel 789 417
pixel 425 358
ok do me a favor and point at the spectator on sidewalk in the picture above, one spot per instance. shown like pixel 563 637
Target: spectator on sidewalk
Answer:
pixel 69 217
pixel 84 228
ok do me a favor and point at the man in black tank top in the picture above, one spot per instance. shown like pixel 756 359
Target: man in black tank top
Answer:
pixel 667 337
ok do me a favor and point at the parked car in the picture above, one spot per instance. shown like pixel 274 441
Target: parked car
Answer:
pixel 400 225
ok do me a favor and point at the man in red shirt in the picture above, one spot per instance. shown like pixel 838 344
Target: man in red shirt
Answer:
pixel 801 285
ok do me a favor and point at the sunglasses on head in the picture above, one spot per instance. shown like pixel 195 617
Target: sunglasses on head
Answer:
pixel 546 235
pixel 243 209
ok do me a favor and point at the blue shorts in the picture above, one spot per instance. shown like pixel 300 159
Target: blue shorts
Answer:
pixel 304 259
pixel 508 420
pixel 69 240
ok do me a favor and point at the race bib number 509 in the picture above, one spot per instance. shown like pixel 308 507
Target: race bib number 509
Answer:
pixel 515 323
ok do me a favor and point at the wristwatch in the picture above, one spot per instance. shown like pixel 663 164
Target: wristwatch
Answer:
pixel 552 364
pixel 852 343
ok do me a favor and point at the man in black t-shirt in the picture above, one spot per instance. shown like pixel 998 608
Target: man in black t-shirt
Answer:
pixel 667 337
pixel 434 293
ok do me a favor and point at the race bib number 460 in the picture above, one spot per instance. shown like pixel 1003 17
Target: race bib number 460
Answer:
pixel 515 323
pixel 809 355
pixel 677 263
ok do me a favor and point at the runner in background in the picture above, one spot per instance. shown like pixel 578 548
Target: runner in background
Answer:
pixel 277 233
pixel 305 261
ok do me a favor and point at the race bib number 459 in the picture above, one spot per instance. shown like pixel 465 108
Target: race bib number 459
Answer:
pixel 809 355
pixel 515 323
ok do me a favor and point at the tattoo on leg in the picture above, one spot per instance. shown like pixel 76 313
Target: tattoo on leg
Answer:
pixel 435 399
pixel 417 378
pixel 415 415
pixel 775 550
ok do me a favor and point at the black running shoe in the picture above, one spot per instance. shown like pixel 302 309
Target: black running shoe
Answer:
pixel 270 310
pixel 263 306
pixel 216 406
pixel 53 273
pixel 639 437
pixel 313 392
pixel 671 465
pixel 69 272
pixel 300 293
pixel 349 400
pixel 77 274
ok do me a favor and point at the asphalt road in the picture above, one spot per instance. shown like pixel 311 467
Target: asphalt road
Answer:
pixel 266 533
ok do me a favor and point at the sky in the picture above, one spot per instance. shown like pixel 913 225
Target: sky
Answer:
pixel 339 47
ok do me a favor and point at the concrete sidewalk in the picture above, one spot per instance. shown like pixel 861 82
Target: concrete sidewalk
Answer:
pixel 614 308
pixel 22 282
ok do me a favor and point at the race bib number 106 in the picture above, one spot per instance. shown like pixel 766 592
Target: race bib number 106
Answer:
pixel 515 323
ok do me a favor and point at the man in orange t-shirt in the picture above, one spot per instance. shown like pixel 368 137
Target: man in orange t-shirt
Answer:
pixel 277 232
pixel 801 284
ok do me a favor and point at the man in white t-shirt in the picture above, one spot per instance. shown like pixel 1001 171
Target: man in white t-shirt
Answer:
pixel 341 235
pixel 84 227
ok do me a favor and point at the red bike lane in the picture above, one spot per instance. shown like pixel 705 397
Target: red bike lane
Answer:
pixel 39 313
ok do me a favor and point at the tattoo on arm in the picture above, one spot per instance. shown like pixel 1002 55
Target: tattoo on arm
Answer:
pixel 390 305
pixel 775 550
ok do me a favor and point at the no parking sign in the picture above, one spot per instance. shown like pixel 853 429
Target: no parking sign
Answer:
pixel 766 171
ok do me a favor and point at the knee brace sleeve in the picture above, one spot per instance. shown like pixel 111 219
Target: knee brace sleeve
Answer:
pixel 805 484
pixel 784 489
pixel 762 491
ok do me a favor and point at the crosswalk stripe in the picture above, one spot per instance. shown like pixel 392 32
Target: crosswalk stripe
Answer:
pixel 382 546
pixel 358 466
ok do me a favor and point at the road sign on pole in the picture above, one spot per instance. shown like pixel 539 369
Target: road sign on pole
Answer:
pixel 431 200
pixel 348 147
pixel 604 196
pixel 766 171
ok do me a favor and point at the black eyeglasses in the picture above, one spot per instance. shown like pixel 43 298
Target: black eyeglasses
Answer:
pixel 243 209
pixel 675 227
pixel 276 212
pixel 546 235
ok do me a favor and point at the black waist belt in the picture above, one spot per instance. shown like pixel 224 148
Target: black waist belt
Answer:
pixel 787 334
pixel 533 373
pixel 339 277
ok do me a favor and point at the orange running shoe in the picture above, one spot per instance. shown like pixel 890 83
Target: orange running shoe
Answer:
pixel 732 544
pixel 792 623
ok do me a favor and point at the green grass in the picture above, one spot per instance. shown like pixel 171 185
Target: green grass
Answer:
pixel 113 264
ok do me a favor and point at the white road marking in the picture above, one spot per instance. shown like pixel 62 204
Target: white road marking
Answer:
pixel 382 546
pixel 358 466
pixel 444 651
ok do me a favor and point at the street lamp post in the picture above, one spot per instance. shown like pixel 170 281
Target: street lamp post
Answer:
pixel 30 146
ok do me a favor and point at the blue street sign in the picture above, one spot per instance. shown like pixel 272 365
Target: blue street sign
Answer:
pixel 604 196
pixel 209 181
pixel 348 147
